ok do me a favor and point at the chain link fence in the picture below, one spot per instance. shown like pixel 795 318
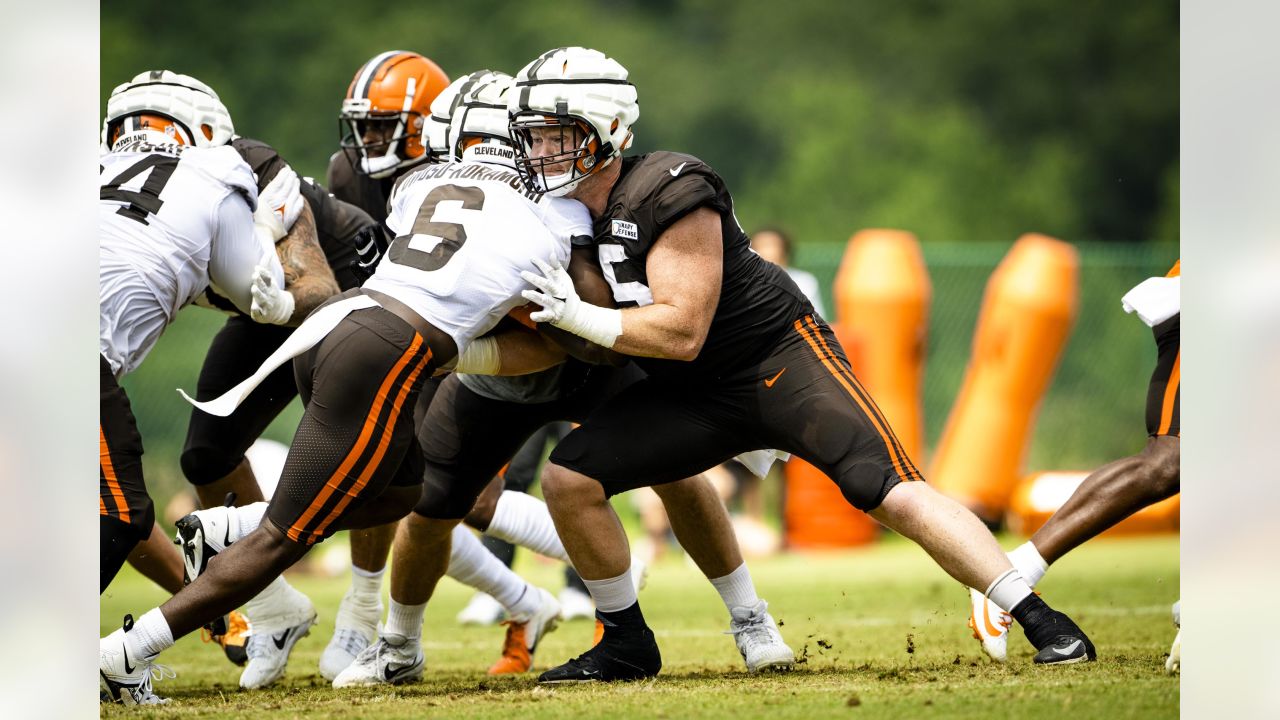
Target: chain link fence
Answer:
pixel 1093 412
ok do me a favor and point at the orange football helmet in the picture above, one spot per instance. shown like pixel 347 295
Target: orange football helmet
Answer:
pixel 385 111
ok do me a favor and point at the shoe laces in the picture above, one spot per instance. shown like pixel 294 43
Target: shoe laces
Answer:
pixel 753 629
pixel 144 695
pixel 258 645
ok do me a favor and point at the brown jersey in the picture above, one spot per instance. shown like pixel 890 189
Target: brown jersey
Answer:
pixel 758 300
pixel 367 193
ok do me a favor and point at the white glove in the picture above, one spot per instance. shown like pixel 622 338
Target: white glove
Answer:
pixel 562 307
pixel 271 303
pixel 279 204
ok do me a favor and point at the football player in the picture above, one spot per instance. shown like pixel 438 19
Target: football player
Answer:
pixel 736 360
pixel 381 142
pixel 464 233
pixel 1118 489
pixel 468 434
pixel 177 213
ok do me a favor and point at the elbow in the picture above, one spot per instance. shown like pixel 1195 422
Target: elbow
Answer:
pixel 687 347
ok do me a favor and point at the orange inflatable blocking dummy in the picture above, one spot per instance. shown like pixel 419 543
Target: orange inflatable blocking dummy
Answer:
pixel 1039 496
pixel 882 305
pixel 1027 313
pixel 882 295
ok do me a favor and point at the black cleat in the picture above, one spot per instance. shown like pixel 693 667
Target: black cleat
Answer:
pixel 612 659
pixel 1067 649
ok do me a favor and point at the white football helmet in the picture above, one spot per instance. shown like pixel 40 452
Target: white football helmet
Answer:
pixel 438 133
pixel 480 113
pixel 584 93
pixel 201 118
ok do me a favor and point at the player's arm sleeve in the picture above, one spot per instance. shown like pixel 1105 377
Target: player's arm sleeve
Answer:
pixel 236 251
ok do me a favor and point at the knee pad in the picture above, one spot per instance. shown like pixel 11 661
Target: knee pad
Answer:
pixel 204 465
pixel 864 485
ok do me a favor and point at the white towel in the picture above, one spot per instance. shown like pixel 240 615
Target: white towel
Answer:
pixel 759 461
pixel 1155 299
pixel 308 334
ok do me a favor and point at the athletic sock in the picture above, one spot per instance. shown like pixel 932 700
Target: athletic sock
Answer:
pixel 1027 561
pixel 150 635
pixel 1008 590
pixel 736 588
pixel 245 519
pixel 525 521
pixel 1041 623
pixel 366 585
pixel 404 620
pixel 613 595
pixel 474 566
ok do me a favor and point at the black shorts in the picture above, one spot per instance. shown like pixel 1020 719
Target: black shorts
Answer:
pixel 1164 391
pixel 216 445
pixel 466 437
pixel 122 494
pixel 355 436
pixel 803 398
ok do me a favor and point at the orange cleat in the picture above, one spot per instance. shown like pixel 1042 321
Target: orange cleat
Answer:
pixel 523 637
pixel 235 630
pixel 598 635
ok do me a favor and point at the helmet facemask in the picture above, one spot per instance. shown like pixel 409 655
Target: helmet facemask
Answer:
pixel 376 143
pixel 556 153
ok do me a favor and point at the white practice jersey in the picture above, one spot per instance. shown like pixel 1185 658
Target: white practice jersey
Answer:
pixel 464 231
pixel 171 220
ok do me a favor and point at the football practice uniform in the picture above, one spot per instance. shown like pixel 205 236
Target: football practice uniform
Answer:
pixel 172 220
pixel 216 445
pixel 464 232
pixel 770 373
pixel 1164 391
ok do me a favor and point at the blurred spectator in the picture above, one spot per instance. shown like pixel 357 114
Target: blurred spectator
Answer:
pixel 774 244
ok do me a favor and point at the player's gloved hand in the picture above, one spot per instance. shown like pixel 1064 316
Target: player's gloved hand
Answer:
pixel 271 303
pixel 562 307
pixel 279 204
pixel 371 242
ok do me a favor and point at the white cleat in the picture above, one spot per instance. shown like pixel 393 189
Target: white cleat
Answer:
pixel 202 535
pixel 990 626
pixel 758 639
pixel 575 604
pixel 1174 663
pixel 355 629
pixel 124 678
pixel 390 660
pixel 280 617
pixel 524 635
pixel 482 610
pixel 269 654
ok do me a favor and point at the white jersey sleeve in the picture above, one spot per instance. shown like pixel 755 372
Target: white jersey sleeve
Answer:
pixel 236 251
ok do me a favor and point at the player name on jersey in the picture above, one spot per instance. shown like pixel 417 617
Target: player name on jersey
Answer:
pixel 469 171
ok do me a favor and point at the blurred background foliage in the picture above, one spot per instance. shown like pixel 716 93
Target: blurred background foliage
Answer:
pixel 965 123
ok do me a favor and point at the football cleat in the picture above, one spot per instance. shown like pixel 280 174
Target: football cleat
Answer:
pixel 269 654
pixel 202 535
pixel 231 631
pixel 1065 650
pixel 758 639
pixel 355 629
pixel 124 678
pixel 523 637
pixel 990 626
pixel 482 610
pixel 612 659
pixel 575 604
pixel 1174 662
pixel 391 660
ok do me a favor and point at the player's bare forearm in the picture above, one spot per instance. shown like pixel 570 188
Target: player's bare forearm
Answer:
pixel 684 270
pixel 589 282
pixel 523 351
pixel 307 274
pixel 580 348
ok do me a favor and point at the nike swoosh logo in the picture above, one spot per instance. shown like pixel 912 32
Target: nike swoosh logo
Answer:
pixel 986 618
pixel 769 383
pixel 279 639
pixel 226 538
pixel 392 671
pixel 676 170
pixel 1068 649
pixel 127 667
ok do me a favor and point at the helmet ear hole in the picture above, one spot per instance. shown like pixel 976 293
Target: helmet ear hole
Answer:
pixel 207 130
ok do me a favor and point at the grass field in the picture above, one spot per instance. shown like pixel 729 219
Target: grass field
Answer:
pixel 881 634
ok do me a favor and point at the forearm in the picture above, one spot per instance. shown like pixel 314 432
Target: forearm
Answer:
pixel 308 276
pixel 660 331
pixel 510 352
